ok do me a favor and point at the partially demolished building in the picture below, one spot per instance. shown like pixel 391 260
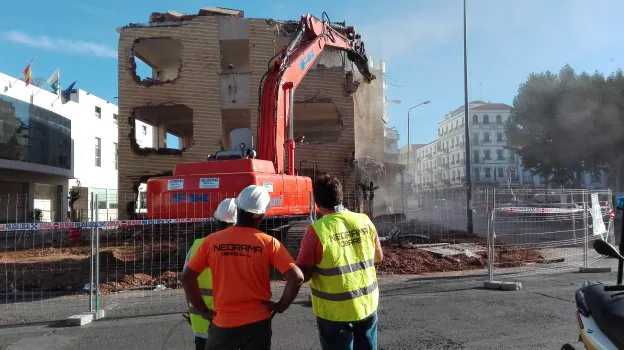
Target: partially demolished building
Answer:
pixel 204 78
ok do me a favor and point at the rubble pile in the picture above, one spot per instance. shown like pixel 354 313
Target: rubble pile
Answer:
pixel 138 281
pixel 408 258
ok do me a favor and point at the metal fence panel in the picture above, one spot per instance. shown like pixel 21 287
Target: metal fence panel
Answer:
pixel 541 231
pixel 52 270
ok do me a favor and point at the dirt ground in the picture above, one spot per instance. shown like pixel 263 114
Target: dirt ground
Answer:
pixel 146 266
pixel 399 260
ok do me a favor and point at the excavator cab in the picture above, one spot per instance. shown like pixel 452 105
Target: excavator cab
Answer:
pixel 241 146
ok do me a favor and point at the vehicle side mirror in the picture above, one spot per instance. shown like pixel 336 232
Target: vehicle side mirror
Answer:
pixel 606 249
pixel 619 203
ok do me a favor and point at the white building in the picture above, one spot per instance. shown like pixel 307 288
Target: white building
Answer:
pixel 441 164
pixel 47 147
pixel 424 168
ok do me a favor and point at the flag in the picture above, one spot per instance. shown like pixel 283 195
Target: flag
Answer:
pixel 27 74
pixel 66 94
pixel 55 81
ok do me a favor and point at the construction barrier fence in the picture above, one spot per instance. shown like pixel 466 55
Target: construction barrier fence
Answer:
pixel 51 270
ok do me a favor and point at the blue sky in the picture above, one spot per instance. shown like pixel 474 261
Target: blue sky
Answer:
pixel 421 41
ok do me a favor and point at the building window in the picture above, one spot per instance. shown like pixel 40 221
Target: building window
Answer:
pixel 486 137
pixel 112 199
pixel 500 173
pixel 144 129
pixel 486 119
pixel 101 198
pixel 499 119
pixel 98 152
pixel 488 173
pixel 475 174
pixel 499 137
pixel 115 148
pixel 499 154
pixel 487 155
pixel 98 112
pixel 475 138
pixel 475 119
pixel 475 157
pixel 114 118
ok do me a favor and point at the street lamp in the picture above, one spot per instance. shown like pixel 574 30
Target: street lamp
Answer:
pixel 408 130
pixel 469 213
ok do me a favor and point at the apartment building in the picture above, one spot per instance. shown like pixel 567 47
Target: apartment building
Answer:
pixel 441 164
pixel 194 78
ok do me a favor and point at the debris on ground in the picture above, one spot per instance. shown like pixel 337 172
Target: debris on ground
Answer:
pixel 148 266
pixel 408 258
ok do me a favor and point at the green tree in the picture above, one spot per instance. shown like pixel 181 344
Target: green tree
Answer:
pixel 562 124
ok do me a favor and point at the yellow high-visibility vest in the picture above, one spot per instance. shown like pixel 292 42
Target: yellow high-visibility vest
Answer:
pixel 198 323
pixel 344 283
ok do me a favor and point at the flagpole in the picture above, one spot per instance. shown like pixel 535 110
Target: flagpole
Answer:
pixel 58 89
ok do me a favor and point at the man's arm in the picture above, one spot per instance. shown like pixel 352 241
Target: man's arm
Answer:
pixel 309 253
pixel 193 294
pixel 378 250
pixel 294 280
pixel 189 276
pixel 186 260
pixel 284 263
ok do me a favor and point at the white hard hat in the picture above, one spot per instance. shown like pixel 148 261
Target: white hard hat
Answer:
pixel 226 211
pixel 254 199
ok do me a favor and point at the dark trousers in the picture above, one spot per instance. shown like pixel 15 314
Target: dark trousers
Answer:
pixel 358 335
pixel 200 343
pixel 253 336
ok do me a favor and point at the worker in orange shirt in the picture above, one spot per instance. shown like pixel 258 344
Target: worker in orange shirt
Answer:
pixel 225 216
pixel 240 258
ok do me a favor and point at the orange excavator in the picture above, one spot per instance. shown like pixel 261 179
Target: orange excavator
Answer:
pixel 196 189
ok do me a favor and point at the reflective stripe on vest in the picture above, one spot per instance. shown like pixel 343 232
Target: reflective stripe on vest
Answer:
pixel 344 284
pixel 198 323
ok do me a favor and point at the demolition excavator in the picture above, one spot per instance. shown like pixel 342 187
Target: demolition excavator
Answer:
pixel 196 189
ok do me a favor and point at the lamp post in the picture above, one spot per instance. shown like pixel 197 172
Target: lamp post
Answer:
pixel 408 131
pixel 469 213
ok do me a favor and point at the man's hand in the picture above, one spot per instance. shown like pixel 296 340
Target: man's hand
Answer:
pixel 275 308
pixel 209 315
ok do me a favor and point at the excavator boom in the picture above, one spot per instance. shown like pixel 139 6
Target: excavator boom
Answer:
pixel 285 74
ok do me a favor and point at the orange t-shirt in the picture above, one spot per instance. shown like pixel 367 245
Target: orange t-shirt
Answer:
pixel 240 259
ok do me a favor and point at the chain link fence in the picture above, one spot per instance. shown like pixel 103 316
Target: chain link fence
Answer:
pixel 52 270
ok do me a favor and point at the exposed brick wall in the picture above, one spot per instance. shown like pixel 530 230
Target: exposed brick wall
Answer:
pixel 262 46
pixel 197 87
pixel 329 84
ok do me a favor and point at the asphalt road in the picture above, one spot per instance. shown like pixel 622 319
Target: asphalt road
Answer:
pixel 415 313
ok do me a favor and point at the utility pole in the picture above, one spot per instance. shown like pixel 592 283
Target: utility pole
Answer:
pixel 469 225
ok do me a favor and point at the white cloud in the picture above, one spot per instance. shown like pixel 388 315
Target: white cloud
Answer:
pixel 61 45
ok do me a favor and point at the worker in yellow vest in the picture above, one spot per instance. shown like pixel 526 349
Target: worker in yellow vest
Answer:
pixel 226 217
pixel 338 255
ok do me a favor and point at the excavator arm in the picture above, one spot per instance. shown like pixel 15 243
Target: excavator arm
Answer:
pixel 285 74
